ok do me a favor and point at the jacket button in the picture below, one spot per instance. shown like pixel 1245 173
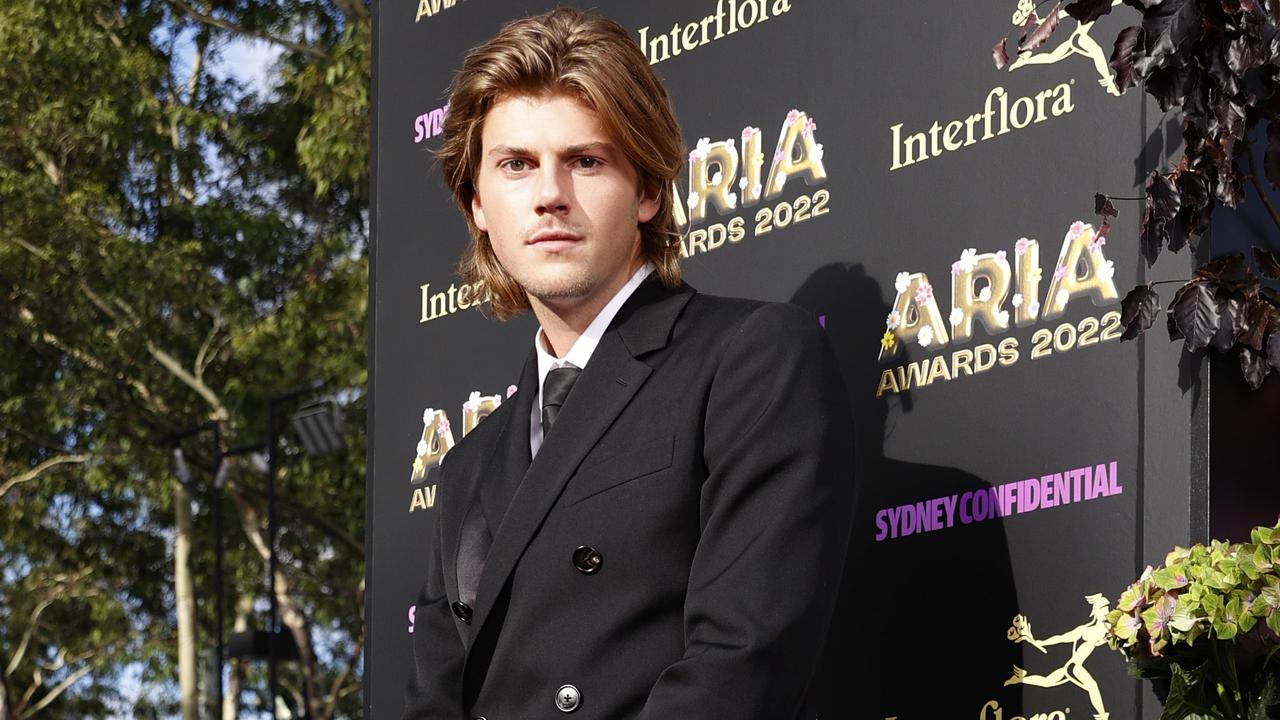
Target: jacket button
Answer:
pixel 568 698
pixel 587 559
pixel 463 611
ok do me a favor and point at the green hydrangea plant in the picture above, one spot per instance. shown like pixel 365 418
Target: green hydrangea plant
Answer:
pixel 1205 628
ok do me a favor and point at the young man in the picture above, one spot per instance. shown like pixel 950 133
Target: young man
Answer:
pixel 654 526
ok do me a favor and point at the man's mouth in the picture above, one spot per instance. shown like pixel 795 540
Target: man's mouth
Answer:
pixel 554 239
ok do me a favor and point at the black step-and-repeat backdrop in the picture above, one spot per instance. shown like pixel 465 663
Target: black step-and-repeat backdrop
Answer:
pixel 866 161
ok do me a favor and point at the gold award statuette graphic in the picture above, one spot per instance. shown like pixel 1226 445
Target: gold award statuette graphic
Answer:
pixel 437 440
pixel 1083 639
pixel 1078 43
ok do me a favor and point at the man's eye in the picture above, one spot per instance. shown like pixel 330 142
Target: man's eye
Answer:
pixel 515 165
pixel 588 162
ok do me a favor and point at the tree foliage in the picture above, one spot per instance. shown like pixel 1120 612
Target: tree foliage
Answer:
pixel 175 248
pixel 1217 62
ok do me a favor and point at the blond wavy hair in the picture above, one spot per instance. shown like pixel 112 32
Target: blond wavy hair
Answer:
pixel 590 58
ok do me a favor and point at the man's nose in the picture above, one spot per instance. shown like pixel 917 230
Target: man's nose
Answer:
pixel 552 195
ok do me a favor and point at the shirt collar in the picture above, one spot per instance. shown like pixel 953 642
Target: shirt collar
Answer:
pixel 585 345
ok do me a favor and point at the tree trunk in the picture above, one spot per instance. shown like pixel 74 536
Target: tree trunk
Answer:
pixel 184 593
pixel 231 701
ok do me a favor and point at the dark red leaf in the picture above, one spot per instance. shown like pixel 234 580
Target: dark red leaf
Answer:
pixel 1228 271
pixel 1102 206
pixel 1032 20
pixel 1225 338
pixel 1127 50
pixel 1178 230
pixel 1042 32
pixel 1106 228
pixel 1193 190
pixel 1174 332
pixel 1251 324
pixel 1170 85
pixel 1254 365
pixel 1273 347
pixel 1197 314
pixel 1163 197
pixel 1244 53
pixel 1167 26
pixel 999 55
pixel 1086 11
pixel 1151 237
pixel 1267 263
pixel 1138 311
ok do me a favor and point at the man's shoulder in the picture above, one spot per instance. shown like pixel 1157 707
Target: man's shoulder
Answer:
pixel 749 319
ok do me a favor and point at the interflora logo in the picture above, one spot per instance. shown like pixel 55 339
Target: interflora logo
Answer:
pixel 1082 639
pixel 431 8
pixel 1079 42
pixel 1002 112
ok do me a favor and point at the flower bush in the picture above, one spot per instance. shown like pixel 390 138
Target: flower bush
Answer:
pixel 1206 627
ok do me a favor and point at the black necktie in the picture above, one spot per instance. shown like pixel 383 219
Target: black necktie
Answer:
pixel 555 388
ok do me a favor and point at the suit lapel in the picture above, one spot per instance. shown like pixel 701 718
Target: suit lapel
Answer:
pixel 507 457
pixel 608 383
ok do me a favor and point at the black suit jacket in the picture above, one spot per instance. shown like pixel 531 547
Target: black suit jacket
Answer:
pixel 705 454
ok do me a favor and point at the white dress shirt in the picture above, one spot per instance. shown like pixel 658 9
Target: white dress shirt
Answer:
pixel 581 351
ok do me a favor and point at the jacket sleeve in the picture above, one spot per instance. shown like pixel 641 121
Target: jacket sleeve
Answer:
pixel 435 682
pixel 776 508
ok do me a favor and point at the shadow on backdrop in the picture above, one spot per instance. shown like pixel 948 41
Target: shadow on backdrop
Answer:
pixel 921 621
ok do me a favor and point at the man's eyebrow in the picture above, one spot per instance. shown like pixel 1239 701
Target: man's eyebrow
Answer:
pixel 599 146
pixel 508 150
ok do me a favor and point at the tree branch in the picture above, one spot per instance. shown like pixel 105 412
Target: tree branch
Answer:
pixel 1262 195
pixel 224 25
pixel 348 667
pixel 173 366
pixel 55 691
pixel 39 470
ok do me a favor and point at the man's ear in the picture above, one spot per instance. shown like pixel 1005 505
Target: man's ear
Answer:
pixel 650 195
pixel 477 211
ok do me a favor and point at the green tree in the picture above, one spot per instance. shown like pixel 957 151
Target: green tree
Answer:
pixel 175 249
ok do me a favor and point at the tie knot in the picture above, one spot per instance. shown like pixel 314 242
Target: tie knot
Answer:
pixel 555 388
pixel 558 383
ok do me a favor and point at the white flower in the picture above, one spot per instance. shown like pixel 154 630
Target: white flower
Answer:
pixel 1076 228
pixel 984 294
pixel 729 143
pixel 703 146
pixel 1003 317
pixel 1034 308
pixel 733 199
pixel 1107 271
pixel 782 180
pixel 742 183
pixel 969 259
pixel 925 338
pixel 1062 297
pixel 693 199
pixel 1017 299
pixel 756 190
pixel 957 316
pixel 1001 255
pixel 817 151
pixel 717 177
pixel 893 321
pixel 422 447
pixel 426 415
pixel 900 283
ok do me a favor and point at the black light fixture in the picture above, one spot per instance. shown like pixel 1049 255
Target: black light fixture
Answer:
pixel 256 645
pixel 319 426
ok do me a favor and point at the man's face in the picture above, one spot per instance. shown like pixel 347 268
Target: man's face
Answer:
pixel 561 203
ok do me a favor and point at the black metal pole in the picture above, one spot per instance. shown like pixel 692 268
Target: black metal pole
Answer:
pixel 217 572
pixel 273 625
